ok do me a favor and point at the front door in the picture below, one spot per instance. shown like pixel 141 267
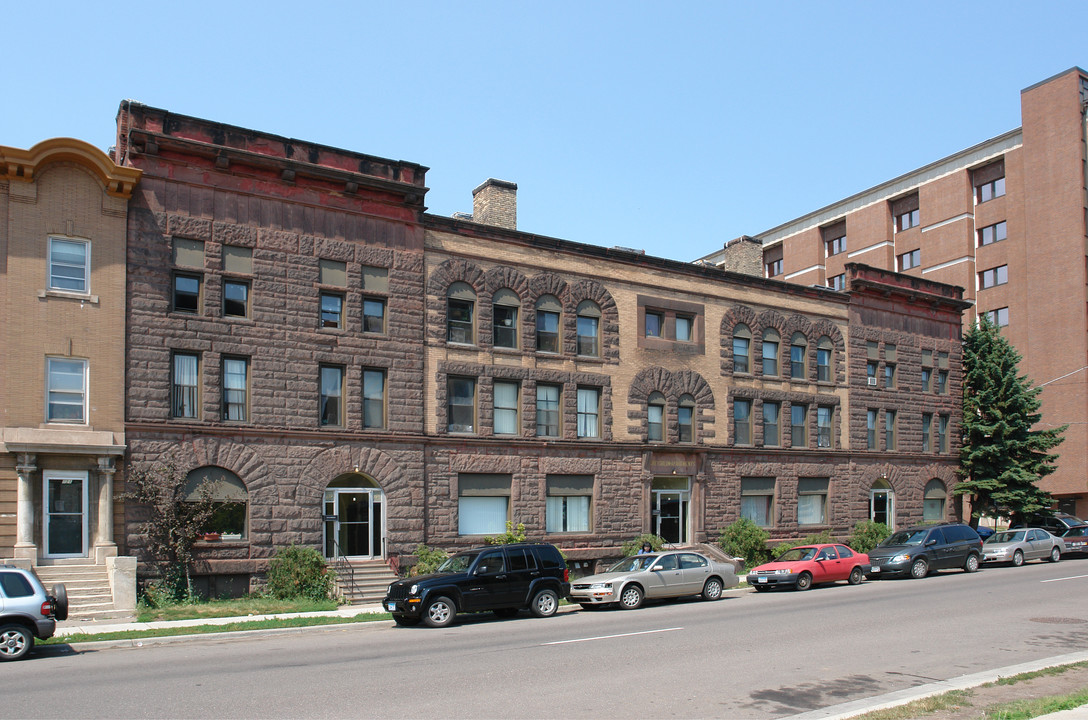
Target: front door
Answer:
pixel 64 525
pixel 353 522
pixel 669 508
pixel 881 503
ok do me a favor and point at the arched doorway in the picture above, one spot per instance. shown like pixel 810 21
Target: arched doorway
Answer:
pixel 354 517
pixel 882 503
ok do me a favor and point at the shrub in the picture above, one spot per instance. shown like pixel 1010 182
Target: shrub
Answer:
pixel 867 535
pixel 299 572
pixel 427 560
pixel 512 535
pixel 631 547
pixel 745 539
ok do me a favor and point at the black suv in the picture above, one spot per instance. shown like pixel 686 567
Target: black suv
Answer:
pixel 918 551
pixel 502 578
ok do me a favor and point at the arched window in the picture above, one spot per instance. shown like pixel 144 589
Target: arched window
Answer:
pixel 742 349
pixel 589 324
pixel 770 352
pixel 824 348
pixel 798 351
pixel 229 499
pixel 933 506
pixel 460 304
pixel 655 417
pixel 685 418
pixel 548 313
pixel 506 304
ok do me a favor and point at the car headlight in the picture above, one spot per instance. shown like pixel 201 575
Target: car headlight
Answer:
pixel 601 586
pixel 414 589
pixel 901 558
pixel 784 571
pixel 1001 551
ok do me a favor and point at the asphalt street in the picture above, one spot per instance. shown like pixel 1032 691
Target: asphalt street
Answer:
pixel 747 656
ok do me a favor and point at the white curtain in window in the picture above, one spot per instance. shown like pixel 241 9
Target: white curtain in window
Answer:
pixel 757 509
pixel 482 515
pixel 567 513
pixel 234 384
pixel 506 408
pixel 185 386
pixel 810 510
pixel 587 412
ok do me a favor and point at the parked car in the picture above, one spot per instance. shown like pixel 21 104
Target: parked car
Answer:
pixel 918 551
pixel 1076 540
pixel 1016 546
pixel 802 567
pixel 984 532
pixel 27 611
pixel 503 578
pixel 1056 523
pixel 655 575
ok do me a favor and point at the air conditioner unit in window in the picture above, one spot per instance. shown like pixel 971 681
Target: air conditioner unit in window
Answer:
pixel 872 381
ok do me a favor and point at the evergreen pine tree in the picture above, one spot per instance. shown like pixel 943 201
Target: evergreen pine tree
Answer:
pixel 1003 457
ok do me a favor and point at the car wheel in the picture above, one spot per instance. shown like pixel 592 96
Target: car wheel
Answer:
pixel 406 621
pixel 804 581
pixel 631 597
pixel 1017 559
pixel 60 602
pixel 544 604
pixel 972 563
pixel 712 589
pixel 15 642
pixel 439 612
pixel 1055 554
pixel 506 612
pixel 919 569
pixel 855 576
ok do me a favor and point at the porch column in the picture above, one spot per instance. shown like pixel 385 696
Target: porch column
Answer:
pixel 103 542
pixel 24 507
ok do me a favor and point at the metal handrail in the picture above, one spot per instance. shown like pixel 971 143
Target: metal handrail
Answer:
pixel 342 560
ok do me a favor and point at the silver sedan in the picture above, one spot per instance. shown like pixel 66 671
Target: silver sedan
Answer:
pixel 1016 546
pixel 654 575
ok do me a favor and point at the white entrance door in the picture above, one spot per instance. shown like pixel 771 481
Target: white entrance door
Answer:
pixel 882 506
pixel 354 522
pixel 669 508
pixel 64 522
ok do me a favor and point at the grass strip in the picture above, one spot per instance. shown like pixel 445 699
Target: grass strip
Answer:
pixel 951 700
pixel 1045 672
pixel 1024 709
pixel 213 629
pixel 232 608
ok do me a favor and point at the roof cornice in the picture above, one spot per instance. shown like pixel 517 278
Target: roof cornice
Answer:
pixel 25 165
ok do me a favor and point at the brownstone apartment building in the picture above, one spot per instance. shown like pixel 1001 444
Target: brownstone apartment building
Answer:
pixel 63 210
pixel 1005 220
pixel 363 377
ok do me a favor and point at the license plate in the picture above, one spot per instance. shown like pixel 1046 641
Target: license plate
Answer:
pixel 762 580
pixel 875 569
pixel 390 606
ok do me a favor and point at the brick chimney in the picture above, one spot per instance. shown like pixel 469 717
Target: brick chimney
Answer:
pixel 743 255
pixel 495 202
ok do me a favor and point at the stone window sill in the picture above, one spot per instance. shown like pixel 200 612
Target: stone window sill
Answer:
pixel 68 295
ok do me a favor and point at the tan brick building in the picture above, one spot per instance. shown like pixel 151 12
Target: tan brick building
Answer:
pixel 1005 220
pixel 63 212
pixel 364 377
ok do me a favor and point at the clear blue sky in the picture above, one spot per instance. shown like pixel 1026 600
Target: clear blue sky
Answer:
pixel 670 127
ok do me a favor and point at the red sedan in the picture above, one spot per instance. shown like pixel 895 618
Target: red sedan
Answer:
pixel 808 565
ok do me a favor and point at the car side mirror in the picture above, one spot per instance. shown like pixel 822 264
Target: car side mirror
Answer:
pixel 930 542
pixel 657 568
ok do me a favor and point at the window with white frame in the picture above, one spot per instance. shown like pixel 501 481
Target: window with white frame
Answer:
pixel 373 398
pixel 186 386
pixel 569 499
pixel 483 505
pixel 67 390
pixel 812 501
pixel 69 265
pixel 824 414
pixel 655 417
pixel 506 408
pixel 589 409
pixel 235 389
pixel 332 396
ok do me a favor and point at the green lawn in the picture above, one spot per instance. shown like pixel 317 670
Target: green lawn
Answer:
pixel 239 607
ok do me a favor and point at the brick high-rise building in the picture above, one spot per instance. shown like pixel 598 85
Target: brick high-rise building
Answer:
pixel 1006 221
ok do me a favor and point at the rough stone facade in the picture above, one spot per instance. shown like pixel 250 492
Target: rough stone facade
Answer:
pixel 295 208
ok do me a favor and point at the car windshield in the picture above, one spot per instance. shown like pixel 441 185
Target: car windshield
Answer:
pixel 633 563
pixel 801 553
pixel 1006 537
pixel 458 563
pixel 906 537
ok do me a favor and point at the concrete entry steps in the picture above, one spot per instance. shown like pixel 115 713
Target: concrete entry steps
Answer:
pixel 90 597
pixel 362 581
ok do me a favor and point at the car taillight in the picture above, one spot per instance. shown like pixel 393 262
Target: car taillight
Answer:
pixel 566 574
pixel 47 608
